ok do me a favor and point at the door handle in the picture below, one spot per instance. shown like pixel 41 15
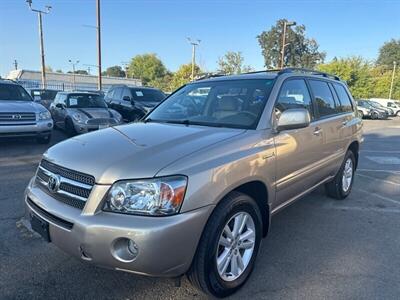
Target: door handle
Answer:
pixel 317 131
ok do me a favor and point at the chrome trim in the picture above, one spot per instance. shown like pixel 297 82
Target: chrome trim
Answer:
pixel 66 180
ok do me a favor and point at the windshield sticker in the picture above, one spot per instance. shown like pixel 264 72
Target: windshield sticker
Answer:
pixel 139 93
pixel 73 101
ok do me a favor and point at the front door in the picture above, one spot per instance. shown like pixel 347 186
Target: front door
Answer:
pixel 297 150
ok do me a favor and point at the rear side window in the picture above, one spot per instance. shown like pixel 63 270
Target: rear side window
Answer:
pixel 294 94
pixel 345 102
pixel 323 98
pixel 148 95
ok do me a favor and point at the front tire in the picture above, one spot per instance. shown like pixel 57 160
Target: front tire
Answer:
pixel 340 187
pixel 228 247
pixel 69 128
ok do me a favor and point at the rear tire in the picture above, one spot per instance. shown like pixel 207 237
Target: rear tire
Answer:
pixel 44 139
pixel 69 127
pixel 217 269
pixel 340 187
pixel 374 115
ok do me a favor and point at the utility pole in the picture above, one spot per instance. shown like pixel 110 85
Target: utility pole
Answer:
pixel 194 44
pixel 15 64
pixel 40 12
pixel 99 83
pixel 284 44
pixel 73 71
pixel 391 84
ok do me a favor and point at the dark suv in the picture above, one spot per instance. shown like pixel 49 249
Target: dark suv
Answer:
pixel 133 102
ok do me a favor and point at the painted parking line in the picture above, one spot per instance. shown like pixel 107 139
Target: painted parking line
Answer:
pixel 379 196
pixel 384 160
pixel 379 179
pixel 374 170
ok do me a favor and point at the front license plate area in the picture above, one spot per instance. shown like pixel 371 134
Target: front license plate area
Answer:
pixel 40 226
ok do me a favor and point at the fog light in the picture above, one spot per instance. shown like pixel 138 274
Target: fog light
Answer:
pixel 133 248
pixel 125 250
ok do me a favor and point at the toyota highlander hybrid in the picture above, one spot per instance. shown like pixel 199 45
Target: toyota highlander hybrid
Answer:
pixel 20 116
pixel 192 188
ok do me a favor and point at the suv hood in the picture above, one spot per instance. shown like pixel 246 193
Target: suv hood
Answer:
pixel 134 151
pixel 20 106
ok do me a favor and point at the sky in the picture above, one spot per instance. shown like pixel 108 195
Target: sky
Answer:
pixel 129 27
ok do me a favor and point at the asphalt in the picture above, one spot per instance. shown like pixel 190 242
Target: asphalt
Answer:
pixel 318 248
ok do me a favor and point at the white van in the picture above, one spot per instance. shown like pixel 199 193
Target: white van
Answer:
pixel 389 103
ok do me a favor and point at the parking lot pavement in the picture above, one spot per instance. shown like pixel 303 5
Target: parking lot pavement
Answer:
pixel 318 248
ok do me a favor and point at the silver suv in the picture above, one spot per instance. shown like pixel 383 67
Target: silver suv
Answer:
pixel 192 189
pixel 21 116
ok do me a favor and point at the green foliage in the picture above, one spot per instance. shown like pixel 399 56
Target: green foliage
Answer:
pixel 300 51
pixel 232 63
pixel 59 71
pixel 388 53
pixel 114 71
pixel 363 78
pixel 81 72
pixel 147 67
pixel 183 75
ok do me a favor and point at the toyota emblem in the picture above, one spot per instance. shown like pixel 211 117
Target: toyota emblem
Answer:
pixel 16 117
pixel 53 183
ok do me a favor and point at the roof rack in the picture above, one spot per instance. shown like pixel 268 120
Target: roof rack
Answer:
pixel 308 71
pixel 209 75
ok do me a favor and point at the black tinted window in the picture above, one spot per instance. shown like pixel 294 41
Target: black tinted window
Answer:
pixel 323 98
pixel 293 94
pixel 147 95
pixel 13 92
pixel 345 102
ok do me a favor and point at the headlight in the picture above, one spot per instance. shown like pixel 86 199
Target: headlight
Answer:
pixel 79 118
pixel 44 115
pixel 154 197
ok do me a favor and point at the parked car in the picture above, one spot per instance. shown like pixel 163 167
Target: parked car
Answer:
pixel 366 110
pixel 133 102
pixel 43 96
pixel 21 116
pixel 375 104
pixel 388 103
pixel 192 188
pixel 80 112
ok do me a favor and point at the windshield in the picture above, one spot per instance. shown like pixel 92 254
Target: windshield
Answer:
pixel 233 103
pixel 148 95
pixel 86 101
pixel 13 92
pixel 376 104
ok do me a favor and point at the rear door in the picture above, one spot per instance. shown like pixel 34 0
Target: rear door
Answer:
pixel 298 150
pixel 330 121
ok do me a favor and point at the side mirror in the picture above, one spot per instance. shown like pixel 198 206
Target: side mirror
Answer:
pixel 126 98
pixel 293 119
pixel 60 105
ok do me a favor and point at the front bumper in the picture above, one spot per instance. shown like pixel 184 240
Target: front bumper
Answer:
pixel 166 245
pixel 38 128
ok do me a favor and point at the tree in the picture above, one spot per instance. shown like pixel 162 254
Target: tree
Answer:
pixel 356 72
pixel 232 63
pixel 388 53
pixel 48 69
pixel 59 71
pixel 114 71
pixel 183 75
pixel 299 52
pixel 147 68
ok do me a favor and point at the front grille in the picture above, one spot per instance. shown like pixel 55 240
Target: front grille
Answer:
pixel 74 187
pixel 101 121
pixel 67 173
pixel 17 117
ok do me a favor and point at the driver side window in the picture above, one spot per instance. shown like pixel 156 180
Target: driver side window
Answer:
pixel 294 94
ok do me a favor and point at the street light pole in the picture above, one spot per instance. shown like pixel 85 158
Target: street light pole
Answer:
pixel 391 84
pixel 40 12
pixel 285 25
pixel 99 80
pixel 194 44
pixel 73 71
